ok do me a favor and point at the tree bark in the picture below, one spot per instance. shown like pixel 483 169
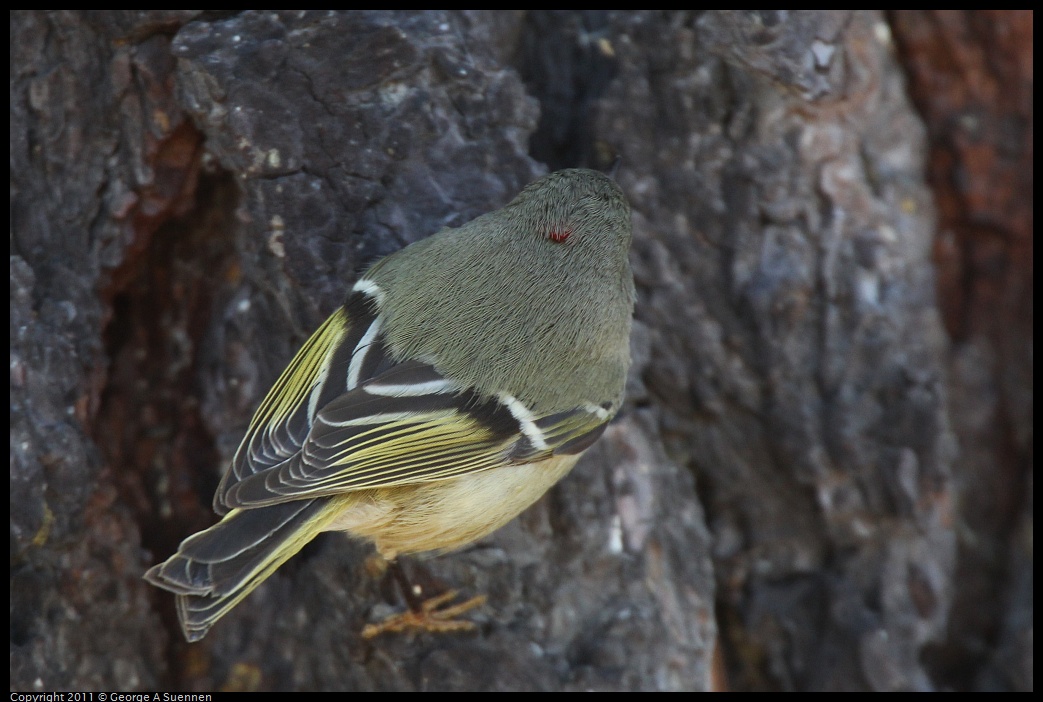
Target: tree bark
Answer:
pixel 788 500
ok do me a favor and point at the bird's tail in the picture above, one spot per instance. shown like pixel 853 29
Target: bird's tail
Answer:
pixel 215 569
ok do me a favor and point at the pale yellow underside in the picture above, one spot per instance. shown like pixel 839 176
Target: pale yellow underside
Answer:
pixel 449 514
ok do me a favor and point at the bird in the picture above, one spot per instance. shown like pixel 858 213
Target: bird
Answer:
pixel 463 376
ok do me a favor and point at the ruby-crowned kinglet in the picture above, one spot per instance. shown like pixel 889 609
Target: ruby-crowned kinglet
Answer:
pixel 462 378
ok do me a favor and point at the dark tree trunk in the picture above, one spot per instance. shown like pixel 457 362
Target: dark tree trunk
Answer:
pixel 822 478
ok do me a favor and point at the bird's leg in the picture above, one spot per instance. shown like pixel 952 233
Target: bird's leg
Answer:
pixel 426 615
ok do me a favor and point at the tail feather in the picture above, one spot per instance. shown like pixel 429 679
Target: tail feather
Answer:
pixel 215 569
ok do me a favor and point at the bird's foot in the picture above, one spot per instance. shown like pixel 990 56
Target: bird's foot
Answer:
pixel 432 615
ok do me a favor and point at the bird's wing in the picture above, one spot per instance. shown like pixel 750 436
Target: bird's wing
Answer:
pixel 344 416
pixel 340 354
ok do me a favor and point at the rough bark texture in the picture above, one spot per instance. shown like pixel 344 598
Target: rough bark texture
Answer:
pixel 783 501
pixel 970 75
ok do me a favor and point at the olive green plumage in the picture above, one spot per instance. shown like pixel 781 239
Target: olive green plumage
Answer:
pixel 521 312
pixel 463 377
